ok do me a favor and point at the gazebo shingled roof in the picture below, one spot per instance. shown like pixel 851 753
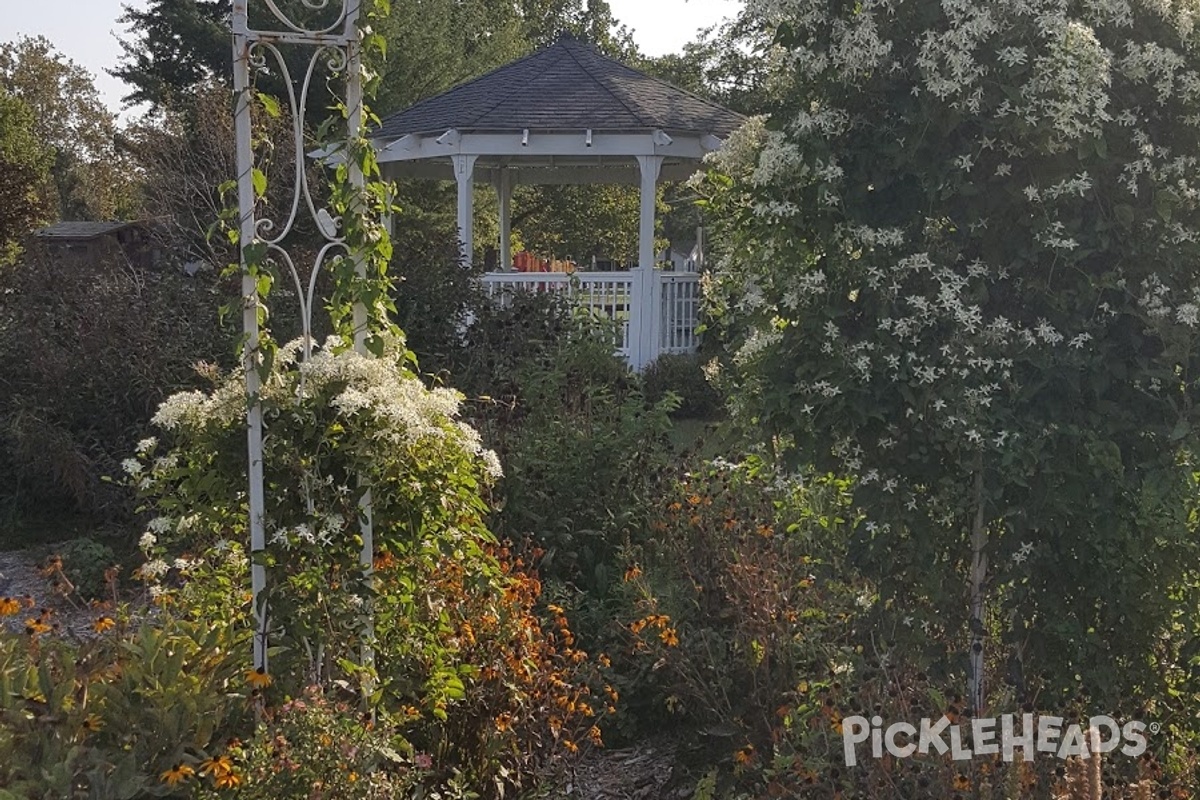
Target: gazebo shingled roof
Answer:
pixel 569 85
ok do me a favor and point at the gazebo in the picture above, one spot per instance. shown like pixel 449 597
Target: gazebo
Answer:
pixel 568 114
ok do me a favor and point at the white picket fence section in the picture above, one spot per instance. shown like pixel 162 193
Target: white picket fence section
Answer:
pixel 656 312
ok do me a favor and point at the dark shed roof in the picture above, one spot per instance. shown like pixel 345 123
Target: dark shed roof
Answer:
pixel 81 231
pixel 567 86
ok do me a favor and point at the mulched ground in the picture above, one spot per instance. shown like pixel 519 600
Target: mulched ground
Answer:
pixel 20 577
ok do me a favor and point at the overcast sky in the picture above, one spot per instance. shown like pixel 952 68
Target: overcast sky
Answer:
pixel 85 30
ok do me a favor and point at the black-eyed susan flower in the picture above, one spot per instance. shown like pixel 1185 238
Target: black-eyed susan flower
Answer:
pixel 35 626
pixel 92 723
pixel 103 623
pixel 177 774
pixel 227 781
pixel 9 606
pixel 216 766
pixel 258 678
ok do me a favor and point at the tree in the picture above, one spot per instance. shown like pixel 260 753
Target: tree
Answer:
pixel 962 264
pixel 176 45
pixel 24 172
pixel 91 177
pixel 729 63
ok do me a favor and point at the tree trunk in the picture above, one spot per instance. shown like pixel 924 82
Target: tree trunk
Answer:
pixel 975 687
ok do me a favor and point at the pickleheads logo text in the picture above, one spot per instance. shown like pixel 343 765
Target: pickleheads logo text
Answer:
pixel 990 736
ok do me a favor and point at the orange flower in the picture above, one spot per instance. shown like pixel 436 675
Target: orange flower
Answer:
pixel 745 755
pixel 504 722
pixel 633 572
pixel 35 626
pixel 217 766
pixel 571 746
pixel 962 782
pixel 694 500
pixel 177 774
pixel 228 781
pixel 669 637
pixel 9 606
pixel 102 624
pixel 258 678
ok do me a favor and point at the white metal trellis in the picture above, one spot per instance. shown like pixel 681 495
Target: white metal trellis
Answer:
pixel 334 43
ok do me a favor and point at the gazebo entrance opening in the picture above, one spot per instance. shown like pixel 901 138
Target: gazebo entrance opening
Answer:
pixel 569 115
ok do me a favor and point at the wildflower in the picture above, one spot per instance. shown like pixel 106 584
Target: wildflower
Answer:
pixel 570 746
pixel 9 606
pixel 229 780
pixel 177 774
pixel 216 766
pixel 102 624
pixel 669 637
pixel 33 627
pixel 744 755
pixel 961 782
pixel 258 678
pixel 632 573
pixel 92 723
pixel 423 761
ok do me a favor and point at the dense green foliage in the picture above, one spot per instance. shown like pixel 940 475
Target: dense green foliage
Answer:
pixel 24 170
pixel 90 350
pixel 90 176
pixel 959 265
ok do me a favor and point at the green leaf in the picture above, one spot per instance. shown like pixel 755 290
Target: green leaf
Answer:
pixel 270 105
pixel 259 179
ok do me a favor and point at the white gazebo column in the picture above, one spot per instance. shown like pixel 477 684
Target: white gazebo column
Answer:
pixel 464 174
pixel 504 192
pixel 643 316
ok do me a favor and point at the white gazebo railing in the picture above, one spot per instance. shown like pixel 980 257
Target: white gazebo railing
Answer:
pixel 624 297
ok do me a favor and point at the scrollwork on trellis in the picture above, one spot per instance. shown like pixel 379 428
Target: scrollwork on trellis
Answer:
pixel 263 56
pixel 316 5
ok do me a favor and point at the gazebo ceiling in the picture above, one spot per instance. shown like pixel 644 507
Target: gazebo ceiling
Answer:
pixel 564 114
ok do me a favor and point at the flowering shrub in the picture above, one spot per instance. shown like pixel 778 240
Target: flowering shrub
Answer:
pixel 960 266
pixel 344 427
pixel 740 593
pixel 119 714
pixel 463 669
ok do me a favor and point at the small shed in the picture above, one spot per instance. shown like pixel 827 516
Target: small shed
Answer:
pixel 92 241
pixel 568 114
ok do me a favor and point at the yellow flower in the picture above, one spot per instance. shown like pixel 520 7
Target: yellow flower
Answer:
pixel 571 746
pixel 962 782
pixel 92 723
pixel 102 624
pixel 36 626
pixel 632 573
pixel 669 638
pixel 258 678
pixel 177 774
pixel 745 755
pixel 217 766
pixel 9 606
pixel 228 781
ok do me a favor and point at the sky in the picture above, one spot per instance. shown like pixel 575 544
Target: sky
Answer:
pixel 86 30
